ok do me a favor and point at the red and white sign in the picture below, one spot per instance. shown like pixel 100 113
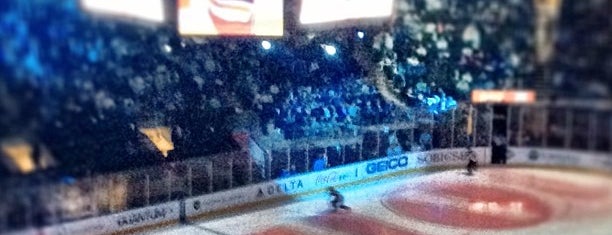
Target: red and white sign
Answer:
pixel 503 96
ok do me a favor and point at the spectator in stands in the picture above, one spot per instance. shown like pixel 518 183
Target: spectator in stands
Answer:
pixel 416 147
pixel 320 162
pixel 394 149
pixel 394 146
pixel 425 140
pixel 288 172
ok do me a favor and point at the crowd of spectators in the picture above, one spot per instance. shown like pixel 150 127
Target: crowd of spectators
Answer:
pixel 582 61
pixel 84 84
pixel 80 86
pixel 441 47
pixel 327 111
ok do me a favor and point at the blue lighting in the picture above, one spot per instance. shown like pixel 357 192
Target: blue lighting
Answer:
pixel 438 104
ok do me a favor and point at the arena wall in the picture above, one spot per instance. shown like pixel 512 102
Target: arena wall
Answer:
pixel 300 185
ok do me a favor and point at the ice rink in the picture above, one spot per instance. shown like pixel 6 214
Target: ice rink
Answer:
pixel 492 201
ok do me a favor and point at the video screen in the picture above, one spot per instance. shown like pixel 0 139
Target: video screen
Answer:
pixel 149 10
pixel 231 17
pixel 323 11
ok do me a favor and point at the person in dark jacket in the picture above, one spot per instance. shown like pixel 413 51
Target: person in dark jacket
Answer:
pixel 499 150
pixel 472 161
pixel 337 200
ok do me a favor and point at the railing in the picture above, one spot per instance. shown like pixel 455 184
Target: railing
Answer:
pixel 562 125
pixel 569 128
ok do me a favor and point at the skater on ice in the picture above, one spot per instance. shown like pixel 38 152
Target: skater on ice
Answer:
pixel 472 161
pixel 337 199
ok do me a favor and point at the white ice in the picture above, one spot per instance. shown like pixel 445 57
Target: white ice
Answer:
pixel 366 198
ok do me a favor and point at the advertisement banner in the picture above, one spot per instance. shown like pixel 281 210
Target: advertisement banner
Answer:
pixel 272 189
pixel 560 157
pixel 117 222
pixel 295 185
pixel 449 157
pixel 331 177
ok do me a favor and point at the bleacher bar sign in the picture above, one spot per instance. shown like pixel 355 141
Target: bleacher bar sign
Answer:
pixel 503 96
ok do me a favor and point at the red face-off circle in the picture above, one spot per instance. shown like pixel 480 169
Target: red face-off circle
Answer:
pixel 469 205
pixel 280 230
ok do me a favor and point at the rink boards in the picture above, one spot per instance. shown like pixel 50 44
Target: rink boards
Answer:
pixel 313 182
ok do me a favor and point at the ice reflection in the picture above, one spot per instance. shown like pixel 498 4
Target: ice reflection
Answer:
pixel 514 208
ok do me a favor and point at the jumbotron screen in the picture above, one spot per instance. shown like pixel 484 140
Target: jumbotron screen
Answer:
pixel 230 17
pixel 324 11
pixel 148 10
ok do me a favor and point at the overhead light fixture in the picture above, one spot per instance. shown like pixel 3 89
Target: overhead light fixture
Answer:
pixel 161 137
pixel 266 44
pixel 330 50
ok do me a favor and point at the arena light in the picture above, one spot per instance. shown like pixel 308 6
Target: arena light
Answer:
pixel 167 48
pixel 266 45
pixel 360 34
pixel 151 10
pixel 503 96
pixel 161 137
pixel 19 156
pixel 547 15
pixel 330 50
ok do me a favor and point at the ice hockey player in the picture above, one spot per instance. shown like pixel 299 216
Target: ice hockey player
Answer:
pixel 337 199
pixel 472 161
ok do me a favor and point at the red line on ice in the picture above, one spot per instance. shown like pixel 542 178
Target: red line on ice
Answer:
pixel 280 230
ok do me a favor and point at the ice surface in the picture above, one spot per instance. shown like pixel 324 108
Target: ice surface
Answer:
pixel 581 204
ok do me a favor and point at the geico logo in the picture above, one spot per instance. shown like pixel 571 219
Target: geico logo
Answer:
pixel 442 157
pixel 387 165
